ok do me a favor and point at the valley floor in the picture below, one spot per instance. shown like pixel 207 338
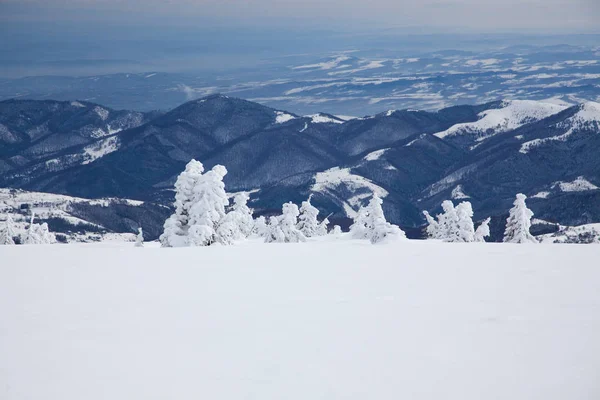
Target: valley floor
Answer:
pixel 333 319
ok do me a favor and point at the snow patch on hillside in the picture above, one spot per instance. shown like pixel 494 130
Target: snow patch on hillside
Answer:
pixel 341 178
pixel 459 194
pixel 587 117
pixel 541 195
pixel 102 112
pixel 512 114
pixel 282 117
pixel 77 104
pixel 578 185
pixel 327 65
pixel 100 149
pixel 323 119
pixel 375 155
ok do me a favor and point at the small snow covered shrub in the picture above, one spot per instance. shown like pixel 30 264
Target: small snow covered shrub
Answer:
pixel 483 231
pixel 378 229
pixel 519 222
pixel 7 232
pixel 455 224
pixel 38 234
pixel 359 229
pixel 139 240
pixel 337 230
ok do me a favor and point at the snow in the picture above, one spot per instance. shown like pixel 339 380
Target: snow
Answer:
pixel 412 320
pixel 458 193
pixel 282 117
pixel 327 65
pixel 102 113
pixel 541 195
pixel 513 114
pixel 421 136
pixel 323 119
pixel 77 104
pixel 375 155
pixel 578 185
pixel 101 148
pixel 587 116
pixel 329 181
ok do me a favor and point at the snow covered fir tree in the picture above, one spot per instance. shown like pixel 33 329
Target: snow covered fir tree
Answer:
pixel 519 222
pixel 370 224
pixel 7 232
pixel 455 224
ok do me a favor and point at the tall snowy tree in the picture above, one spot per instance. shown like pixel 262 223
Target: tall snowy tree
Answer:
pixel 466 229
pixel 288 222
pixel 7 233
pixel 208 208
pixel 359 229
pixel 448 223
pixel 336 231
pixel 483 231
pixel 379 230
pixel 519 222
pixel 308 223
pixel 176 227
pixel 139 240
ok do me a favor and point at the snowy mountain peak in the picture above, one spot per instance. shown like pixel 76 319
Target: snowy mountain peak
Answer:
pixel 587 116
pixel 321 118
pixel 512 114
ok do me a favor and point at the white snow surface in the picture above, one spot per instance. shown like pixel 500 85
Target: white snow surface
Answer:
pixel 578 185
pixel 375 155
pixel 410 320
pixel 459 194
pixel 329 180
pixel 100 148
pixel 588 116
pixel 282 117
pixel 323 119
pixel 512 114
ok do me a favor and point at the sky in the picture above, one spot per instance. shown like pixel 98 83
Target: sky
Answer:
pixel 94 36
pixel 544 16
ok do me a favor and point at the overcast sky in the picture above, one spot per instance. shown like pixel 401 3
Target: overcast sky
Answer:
pixel 542 16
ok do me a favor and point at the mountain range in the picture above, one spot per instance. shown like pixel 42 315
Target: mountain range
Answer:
pixel 413 159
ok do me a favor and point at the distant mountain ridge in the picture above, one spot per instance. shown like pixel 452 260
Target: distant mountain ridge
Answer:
pixel 413 159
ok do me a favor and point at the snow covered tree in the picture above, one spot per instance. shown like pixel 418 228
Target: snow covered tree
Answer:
pixel 243 213
pixel 274 234
pixel 308 223
pixel 466 229
pixel 176 227
pixel 322 228
pixel 237 223
pixel 519 222
pixel 483 231
pixel 288 222
pixel 208 209
pixel 260 227
pixel 283 228
pixel 449 229
pixel 336 231
pixel 359 229
pixel 7 233
pixel 39 234
pixel 433 227
pixel 379 230
pixel 139 240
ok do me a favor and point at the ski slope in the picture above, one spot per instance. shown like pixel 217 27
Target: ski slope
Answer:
pixel 333 319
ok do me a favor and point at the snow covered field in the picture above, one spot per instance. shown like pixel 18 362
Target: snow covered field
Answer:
pixel 333 319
